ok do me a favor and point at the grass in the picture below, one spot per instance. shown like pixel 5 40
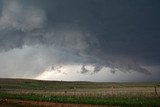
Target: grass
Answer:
pixel 115 94
pixel 114 101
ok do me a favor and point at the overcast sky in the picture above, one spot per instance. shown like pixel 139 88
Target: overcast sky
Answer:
pixel 88 40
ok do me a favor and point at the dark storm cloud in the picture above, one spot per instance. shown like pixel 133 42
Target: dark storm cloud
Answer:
pixel 83 69
pixel 119 34
pixel 124 28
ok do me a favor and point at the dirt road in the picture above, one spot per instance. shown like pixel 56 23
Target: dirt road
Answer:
pixel 25 103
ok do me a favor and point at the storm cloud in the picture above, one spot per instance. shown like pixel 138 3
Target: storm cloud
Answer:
pixel 15 16
pixel 120 35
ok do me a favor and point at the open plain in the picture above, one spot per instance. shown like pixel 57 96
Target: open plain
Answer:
pixel 25 92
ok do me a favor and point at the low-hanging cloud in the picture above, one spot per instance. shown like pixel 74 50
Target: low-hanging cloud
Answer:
pixel 26 26
pixel 83 69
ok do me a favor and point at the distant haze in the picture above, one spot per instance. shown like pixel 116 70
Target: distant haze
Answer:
pixel 80 40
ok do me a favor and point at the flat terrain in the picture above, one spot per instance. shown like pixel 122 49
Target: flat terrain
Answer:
pixel 34 92
pixel 22 103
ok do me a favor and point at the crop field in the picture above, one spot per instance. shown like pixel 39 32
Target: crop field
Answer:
pixel 24 92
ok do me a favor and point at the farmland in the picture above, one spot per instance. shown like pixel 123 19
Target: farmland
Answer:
pixel 76 92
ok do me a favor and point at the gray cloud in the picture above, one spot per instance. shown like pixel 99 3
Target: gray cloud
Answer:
pixel 84 70
pixel 98 33
pixel 97 68
pixel 127 65
pixel 16 16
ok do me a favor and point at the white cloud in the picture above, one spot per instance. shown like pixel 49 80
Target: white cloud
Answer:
pixel 71 73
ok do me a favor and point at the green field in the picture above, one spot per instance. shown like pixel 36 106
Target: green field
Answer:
pixel 96 93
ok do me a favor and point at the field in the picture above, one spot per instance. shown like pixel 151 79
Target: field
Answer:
pixel 23 92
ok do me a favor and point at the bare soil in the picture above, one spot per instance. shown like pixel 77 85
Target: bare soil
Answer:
pixel 21 103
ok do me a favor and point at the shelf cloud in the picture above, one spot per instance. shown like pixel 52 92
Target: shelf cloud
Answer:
pixel 120 35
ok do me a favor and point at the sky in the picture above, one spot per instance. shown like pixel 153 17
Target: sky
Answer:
pixel 80 40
